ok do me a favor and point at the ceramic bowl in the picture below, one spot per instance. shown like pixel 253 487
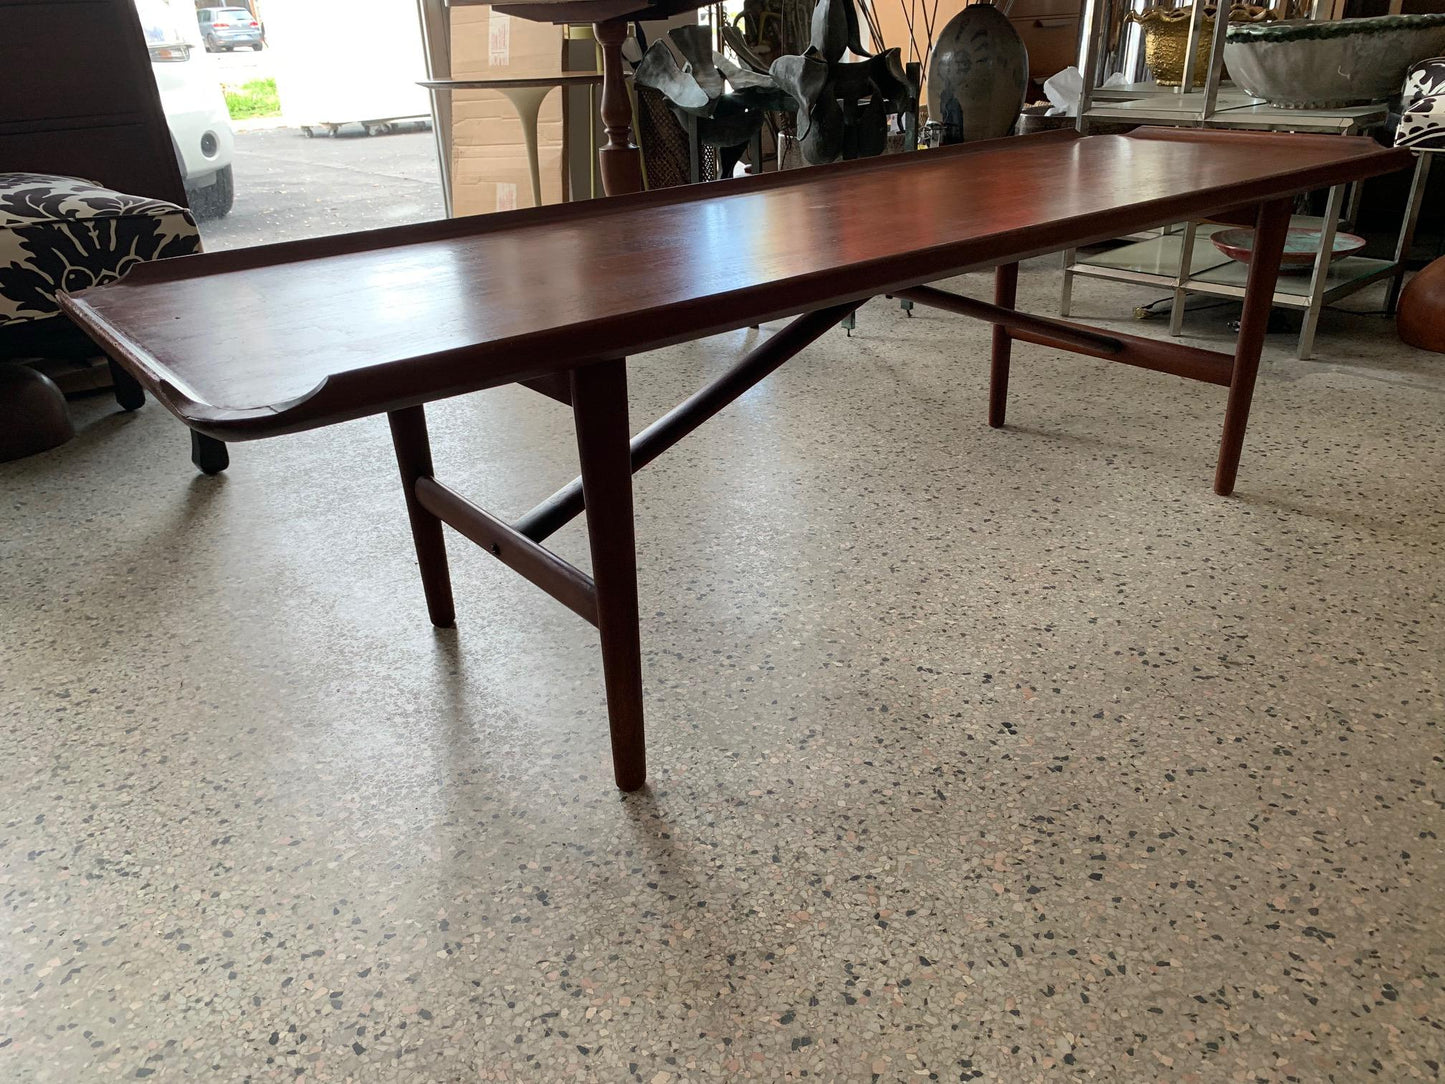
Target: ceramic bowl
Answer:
pixel 1301 245
pixel 1328 65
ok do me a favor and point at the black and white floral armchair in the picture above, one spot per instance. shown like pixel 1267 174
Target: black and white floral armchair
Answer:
pixel 1420 315
pixel 63 233
pixel 1422 107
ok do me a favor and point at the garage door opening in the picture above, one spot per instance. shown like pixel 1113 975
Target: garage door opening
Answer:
pixel 295 120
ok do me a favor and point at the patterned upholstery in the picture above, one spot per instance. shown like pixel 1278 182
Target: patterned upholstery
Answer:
pixel 61 233
pixel 1422 107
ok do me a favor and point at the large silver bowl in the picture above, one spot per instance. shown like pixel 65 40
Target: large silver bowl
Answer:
pixel 1307 65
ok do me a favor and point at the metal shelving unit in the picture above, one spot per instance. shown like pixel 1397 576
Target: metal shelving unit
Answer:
pixel 1173 260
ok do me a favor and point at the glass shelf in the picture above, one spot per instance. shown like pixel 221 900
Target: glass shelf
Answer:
pixel 1346 275
pixel 1127 92
pixel 1154 260
pixel 1160 255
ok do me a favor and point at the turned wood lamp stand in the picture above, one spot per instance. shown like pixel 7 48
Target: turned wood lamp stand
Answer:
pixel 619 159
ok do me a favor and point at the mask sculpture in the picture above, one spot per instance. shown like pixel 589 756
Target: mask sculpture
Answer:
pixel 843 107
pixel 720 103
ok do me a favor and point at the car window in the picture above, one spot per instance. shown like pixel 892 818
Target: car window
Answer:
pixel 205 15
pixel 237 13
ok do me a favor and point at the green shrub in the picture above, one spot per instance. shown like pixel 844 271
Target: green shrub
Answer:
pixel 254 99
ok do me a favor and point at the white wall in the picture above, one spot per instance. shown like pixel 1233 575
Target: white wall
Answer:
pixel 348 61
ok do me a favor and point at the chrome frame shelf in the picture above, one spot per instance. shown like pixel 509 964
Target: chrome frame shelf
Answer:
pixel 1220 105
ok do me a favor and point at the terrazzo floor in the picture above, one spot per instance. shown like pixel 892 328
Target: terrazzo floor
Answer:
pixel 995 755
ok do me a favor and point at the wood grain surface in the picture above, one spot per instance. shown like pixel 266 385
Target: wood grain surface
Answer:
pixel 287 337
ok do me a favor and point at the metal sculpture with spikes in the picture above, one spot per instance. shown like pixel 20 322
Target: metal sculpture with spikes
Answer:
pixel 843 106
pixel 721 104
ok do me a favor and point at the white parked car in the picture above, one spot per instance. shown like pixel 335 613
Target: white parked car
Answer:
pixel 195 110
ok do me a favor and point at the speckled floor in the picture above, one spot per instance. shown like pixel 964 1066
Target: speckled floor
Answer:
pixel 975 755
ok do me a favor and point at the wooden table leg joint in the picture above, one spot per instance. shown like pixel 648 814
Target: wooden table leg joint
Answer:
pixel 568 502
pixel 1236 372
pixel 564 582
pixel 597 393
pixel 552 385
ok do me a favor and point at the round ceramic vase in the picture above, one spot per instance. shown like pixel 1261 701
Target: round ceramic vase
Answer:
pixel 978 75
pixel 1421 317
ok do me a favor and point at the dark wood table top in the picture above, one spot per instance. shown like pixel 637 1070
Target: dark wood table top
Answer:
pixel 502 82
pixel 593 11
pixel 286 337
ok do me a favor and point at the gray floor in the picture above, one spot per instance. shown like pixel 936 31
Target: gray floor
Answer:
pixel 1004 755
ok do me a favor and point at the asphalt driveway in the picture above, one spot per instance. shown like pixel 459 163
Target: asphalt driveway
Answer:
pixel 289 186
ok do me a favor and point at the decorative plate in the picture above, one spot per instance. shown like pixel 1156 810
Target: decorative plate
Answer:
pixel 1301 245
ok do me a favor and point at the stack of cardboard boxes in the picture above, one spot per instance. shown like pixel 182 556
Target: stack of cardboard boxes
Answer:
pixel 489 170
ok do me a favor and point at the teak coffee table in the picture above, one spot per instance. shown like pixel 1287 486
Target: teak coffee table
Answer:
pixel 264 341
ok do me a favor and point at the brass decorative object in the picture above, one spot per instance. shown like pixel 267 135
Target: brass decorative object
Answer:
pixel 1166 38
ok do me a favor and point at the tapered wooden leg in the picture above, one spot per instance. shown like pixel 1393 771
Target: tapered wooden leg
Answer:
pixel 209 454
pixel 599 406
pixel 413 456
pixel 1005 293
pixel 1271 225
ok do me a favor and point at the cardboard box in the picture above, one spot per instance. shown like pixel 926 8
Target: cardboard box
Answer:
pixel 489 160
pixel 488 157
pixel 486 42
